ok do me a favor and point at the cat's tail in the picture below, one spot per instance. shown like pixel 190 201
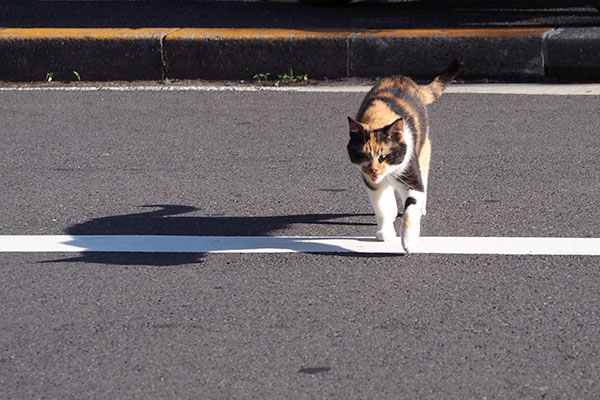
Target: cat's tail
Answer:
pixel 434 90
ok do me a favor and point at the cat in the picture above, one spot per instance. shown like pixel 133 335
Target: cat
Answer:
pixel 389 142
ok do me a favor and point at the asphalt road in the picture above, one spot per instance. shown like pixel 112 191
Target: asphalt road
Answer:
pixel 292 326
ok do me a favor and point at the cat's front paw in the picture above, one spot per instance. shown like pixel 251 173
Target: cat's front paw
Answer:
pixel 410 237
pixel 385 235
pixel 409 241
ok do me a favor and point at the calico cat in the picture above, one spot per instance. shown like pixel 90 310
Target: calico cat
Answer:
pixel 389 142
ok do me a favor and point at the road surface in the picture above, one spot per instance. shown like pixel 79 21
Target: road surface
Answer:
pixel 292 325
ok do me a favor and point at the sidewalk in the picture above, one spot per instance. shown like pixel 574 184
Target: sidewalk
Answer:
pixel 235 40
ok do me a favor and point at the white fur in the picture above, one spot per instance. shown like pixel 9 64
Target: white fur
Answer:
pixel 384 204
pixel 410 148
pixel 411 224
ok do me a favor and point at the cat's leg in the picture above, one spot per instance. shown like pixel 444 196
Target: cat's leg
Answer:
pixel 424 203
pixel 424 161
pixel 384 204
pixel 411 221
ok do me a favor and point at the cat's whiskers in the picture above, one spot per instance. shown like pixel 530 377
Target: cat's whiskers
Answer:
pixel 397 180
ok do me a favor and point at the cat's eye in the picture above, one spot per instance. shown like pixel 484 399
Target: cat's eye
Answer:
pixel 383 158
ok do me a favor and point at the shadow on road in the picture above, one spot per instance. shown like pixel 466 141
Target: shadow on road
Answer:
pixel 171 220
pixel 294 15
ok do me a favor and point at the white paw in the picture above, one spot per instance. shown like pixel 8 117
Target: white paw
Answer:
pixel 409 240
pixel 410 237
pixel 385 235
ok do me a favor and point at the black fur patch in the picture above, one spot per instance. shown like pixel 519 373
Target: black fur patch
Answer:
pixel 409 202
pixel 355 151
pixel 397 154
pixel 412 176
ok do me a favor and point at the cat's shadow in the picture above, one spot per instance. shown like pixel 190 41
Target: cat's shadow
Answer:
pixel 171 220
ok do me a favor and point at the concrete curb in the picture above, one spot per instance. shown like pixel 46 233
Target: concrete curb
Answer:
pixel 498 54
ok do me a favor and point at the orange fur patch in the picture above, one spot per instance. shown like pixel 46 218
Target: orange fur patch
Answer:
pixel 373 146
pixel 379 115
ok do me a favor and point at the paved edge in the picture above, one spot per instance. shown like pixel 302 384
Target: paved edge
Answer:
pixel 493 54
pixel 525 89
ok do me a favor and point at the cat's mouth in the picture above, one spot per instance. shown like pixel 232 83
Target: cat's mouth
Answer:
pixel 373 175
pixel 375 178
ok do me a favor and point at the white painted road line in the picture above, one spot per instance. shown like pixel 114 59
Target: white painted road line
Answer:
pixel 527 89
pixel 296 244
pixel 592 89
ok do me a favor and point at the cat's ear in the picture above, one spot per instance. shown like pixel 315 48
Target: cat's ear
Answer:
pixel 396 130
pixel 356 129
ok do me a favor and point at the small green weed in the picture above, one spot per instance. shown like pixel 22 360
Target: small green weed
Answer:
pixel 260 78
pixel 77 75
pixel 168 81
pixel 49 76
pixel 292 78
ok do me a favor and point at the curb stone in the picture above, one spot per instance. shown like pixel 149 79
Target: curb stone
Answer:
pixel 493 54
pixel 573 54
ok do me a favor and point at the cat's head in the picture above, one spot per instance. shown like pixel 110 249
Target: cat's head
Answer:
pixel 377 152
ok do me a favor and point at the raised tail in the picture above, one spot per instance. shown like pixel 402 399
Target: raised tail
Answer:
pixel 434 90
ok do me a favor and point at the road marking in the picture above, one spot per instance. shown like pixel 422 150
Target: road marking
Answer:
pixel 528 89
pixel 592 89
pixel 296 244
